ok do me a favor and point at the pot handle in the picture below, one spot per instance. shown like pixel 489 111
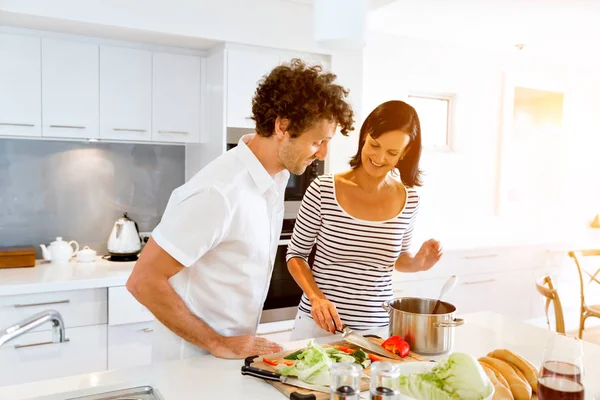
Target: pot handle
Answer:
pixel 386 306
pixel 451 324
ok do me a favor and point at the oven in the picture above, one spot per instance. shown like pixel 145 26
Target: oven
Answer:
pixel 284 293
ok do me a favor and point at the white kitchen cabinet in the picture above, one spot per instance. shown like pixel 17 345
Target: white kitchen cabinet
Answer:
pixel 125 94
pixel 123 308
pixel 130 345
pixel 244 69
pixel 77 307
pixel 31 358
pixel 176 97
pixel 69 89
pixel 20 86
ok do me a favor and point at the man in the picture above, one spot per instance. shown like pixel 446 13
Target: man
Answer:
pixel 205 271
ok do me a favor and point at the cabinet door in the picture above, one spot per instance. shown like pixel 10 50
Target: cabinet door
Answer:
pixel 130 345
pixel 176 93
pixel 125 94
pixel 69 89
pixel 244 69
pixel 20 86
pixel 32 356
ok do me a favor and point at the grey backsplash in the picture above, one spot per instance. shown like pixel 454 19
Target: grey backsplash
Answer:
pixel 77 190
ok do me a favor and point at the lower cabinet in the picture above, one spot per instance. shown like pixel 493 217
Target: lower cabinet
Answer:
pixel 33 356
pixel 130 344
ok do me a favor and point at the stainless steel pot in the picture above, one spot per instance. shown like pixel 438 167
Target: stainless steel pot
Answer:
pixel 426 333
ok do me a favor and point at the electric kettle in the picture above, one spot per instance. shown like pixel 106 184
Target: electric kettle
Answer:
pixel 124 242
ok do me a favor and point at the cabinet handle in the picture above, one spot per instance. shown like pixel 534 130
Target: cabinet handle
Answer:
pixel 481 256
pixel 11 124
pixel 478 282
pixel 175 132
pixel 42 304
pixel 67 126
pixel 21 346
pixel 147 330
pixel 128 130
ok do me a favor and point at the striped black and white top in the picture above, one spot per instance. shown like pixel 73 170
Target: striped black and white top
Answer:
pixel 355 258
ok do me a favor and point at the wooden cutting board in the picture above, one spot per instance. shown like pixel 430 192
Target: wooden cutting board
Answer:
pixel 287 390
pixel 17 257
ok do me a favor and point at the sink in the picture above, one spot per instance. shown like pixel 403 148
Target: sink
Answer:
pixel 134 393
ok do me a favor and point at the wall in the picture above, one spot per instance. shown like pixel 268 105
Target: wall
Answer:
pixel 462 194
pixel 77 190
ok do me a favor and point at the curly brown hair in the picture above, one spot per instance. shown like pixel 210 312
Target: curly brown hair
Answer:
pixel 303 95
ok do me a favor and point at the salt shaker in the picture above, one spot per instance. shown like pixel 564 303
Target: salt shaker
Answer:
pixel 345 381
pixel 385 381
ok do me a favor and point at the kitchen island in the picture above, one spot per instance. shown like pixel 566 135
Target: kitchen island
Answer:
pixel 207 377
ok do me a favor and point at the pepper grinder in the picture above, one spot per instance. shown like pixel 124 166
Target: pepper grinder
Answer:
pixel 385 381
pixel 345 381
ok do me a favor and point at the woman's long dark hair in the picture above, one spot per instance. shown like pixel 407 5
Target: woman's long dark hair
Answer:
pixel 390 116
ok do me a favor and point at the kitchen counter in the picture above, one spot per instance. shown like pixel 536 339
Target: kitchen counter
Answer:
pixel 208 377
pixel 48 277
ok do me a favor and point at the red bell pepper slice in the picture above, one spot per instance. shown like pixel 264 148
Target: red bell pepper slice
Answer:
pixel 374 358
pixel 345 349
pixel 270 362
pixel 289 363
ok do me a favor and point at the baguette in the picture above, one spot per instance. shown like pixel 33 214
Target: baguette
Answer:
pixel 501 392
pixel 520 388
pixel 529 371
pixel 496 372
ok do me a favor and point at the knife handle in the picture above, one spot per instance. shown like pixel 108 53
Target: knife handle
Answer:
pixel 299 396
pixel 260 373
pixel 249 360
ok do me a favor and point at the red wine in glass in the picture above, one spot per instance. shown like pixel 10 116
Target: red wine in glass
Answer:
pixel 559 388
pixel 561 369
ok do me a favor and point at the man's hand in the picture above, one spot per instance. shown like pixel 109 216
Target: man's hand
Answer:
pixel 243 346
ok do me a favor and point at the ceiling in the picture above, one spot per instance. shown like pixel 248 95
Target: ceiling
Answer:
pixel 494 23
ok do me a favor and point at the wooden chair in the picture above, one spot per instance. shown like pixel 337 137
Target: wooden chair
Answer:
pixel 585 309
pixel 546 289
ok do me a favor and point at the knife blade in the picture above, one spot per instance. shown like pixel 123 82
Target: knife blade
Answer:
pixel 358 340
pixel 274 376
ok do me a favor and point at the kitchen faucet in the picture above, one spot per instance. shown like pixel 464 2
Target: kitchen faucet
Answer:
pixel 58 327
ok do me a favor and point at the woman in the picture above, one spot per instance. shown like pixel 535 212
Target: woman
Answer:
pixel 361 221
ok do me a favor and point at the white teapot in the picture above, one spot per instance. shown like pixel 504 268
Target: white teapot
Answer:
pixel 59 251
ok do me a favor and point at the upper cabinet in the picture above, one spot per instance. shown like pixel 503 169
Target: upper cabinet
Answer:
pixel 245 68
pixel 69 89
pixel 176 93
pixel 20 86
pixel 125 94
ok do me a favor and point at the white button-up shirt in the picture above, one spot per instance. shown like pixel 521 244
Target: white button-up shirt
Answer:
pixel 223 225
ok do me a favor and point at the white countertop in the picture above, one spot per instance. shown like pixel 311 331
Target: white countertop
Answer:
pixel 48 277
pixel 208 377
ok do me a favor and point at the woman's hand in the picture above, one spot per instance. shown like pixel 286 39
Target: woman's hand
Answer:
pixel 325 314
pixel 428 255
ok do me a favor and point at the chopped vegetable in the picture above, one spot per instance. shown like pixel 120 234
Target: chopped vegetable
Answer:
pixel 460 376
pixel 345 349
pixel 396 345
pixel 289 363
pixel 374 358
pixel 270 362
pixel 312 365
pixel 294 355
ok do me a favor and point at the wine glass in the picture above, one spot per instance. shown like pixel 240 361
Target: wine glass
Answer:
pixel 561 371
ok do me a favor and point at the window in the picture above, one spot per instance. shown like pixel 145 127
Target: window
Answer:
pixel 435 115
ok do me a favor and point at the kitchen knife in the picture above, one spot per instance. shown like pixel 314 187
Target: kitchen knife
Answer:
pixel 274 376
pixel 358 340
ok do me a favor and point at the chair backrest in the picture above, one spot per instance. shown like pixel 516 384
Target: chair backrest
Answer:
pixel 546 289
pixel 576 256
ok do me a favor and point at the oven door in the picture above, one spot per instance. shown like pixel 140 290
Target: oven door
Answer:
pixel 284 293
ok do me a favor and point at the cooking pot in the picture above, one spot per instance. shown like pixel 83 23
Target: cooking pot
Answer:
pixel 426 333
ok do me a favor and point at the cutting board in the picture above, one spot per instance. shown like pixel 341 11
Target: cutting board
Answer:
pixel 288 390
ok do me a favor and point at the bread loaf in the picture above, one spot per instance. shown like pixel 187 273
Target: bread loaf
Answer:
pixel 501 390
pixel 520 388
pixel 529 371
